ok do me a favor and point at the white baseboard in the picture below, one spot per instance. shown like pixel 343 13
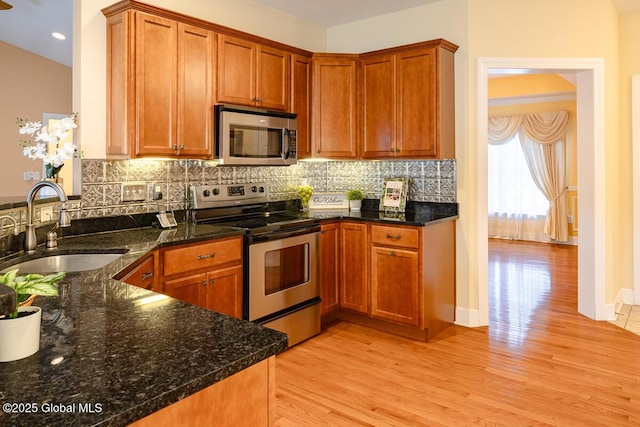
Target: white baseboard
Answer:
pixel 468 317
pixel 625 296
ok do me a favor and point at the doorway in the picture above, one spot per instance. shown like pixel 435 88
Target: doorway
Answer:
pixel 589 75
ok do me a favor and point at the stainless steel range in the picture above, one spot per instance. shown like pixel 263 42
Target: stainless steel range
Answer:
pixel 280 262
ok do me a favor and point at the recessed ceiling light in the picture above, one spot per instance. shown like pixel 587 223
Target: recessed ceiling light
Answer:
pixel 59 36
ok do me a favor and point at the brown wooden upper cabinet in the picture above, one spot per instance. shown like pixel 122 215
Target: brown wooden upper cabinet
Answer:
pixel 334 106
pixel 160 85
pixel 407 98
pixel 253 74
pixel 301 101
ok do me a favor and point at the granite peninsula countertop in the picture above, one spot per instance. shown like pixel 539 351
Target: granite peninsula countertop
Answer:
pixel 122 357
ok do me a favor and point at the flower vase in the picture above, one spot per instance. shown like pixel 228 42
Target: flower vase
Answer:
pixel 47 191
pixel 20 337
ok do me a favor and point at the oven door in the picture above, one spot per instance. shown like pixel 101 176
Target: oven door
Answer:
pixel 283 274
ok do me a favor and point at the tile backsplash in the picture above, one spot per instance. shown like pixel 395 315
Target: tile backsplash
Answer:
pixel 429 181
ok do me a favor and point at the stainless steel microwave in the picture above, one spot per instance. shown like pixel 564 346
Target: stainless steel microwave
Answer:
pixel 252 136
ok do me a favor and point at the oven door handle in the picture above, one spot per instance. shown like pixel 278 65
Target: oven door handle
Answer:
pixel 277 235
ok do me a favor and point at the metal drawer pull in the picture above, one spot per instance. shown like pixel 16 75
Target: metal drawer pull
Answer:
pixel 147 275
pixel 211 255
pixel 389 236
pixel 212 281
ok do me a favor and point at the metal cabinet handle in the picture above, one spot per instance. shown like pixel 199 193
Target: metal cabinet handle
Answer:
pixel 397 150
pixel 147 275
pixel 182 147
pixel 392 253
pixel 175 147
pixel 204 282
pixel 211 255
pixel 389 236
pixel 212 281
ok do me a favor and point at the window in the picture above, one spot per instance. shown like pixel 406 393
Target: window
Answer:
pixel 511 188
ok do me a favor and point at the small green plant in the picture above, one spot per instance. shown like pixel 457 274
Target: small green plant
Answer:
pixel 31 284
pixel 304 193
pixel 355 195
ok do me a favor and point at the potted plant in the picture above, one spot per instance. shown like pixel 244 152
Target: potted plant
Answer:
pixel 355 199
pixel 305 192
pixel 20 327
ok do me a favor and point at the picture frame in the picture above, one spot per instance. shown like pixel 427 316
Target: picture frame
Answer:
pixel 394 195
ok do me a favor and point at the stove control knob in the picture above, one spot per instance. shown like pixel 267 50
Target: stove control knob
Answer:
pixel 216 191
pixel 254 189
pixel 206 193
pixel 262 189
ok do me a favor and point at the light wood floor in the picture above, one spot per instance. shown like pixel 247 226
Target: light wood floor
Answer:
pixel 538 363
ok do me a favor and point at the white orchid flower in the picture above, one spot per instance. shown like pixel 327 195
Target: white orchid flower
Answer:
pixel 45 137
pixel 30 128
pixel 67 150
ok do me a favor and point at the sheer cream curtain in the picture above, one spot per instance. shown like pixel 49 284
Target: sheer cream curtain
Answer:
pixel 542 138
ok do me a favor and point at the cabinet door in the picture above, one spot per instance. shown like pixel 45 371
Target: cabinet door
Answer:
pixel 353 267
pixel 189 289
pixel 120 131
pixel 301 102
pixel 273 78
pixel 334 107
pixel 378 85
pixel 236 71
pixel 156 85
pixel 195 91
pixel 416 103
pixel 224 291
pixel 143 275
pixel 329 259
pixel 395 285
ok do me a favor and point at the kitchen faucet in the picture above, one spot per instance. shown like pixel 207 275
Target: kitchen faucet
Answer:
pixel 30 240
pixel 16 230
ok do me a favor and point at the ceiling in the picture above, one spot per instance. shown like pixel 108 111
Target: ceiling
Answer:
pixel 29 23
pixel 330 13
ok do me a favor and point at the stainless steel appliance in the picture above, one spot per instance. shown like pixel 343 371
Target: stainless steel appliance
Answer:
pixel 280 263
pixel 252 136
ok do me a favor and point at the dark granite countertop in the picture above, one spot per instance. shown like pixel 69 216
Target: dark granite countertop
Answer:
pixel 18 202
pixel 417 213
pixel 125 358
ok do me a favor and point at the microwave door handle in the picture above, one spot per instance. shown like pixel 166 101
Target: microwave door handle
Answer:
pixel 285 140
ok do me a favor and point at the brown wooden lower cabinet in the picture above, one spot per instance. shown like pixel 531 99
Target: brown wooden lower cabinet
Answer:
pixel 144 275
pixel 246 398
pixel 395 285
pixel 400 279
pixel 208 274
pixel 329 259
pixel 354 286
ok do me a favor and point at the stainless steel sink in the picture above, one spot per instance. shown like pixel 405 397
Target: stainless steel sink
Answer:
pixel 64 262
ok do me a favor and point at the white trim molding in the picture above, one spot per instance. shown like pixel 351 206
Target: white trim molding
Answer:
pixel 532 99
pixel 590 80
pixel 635 143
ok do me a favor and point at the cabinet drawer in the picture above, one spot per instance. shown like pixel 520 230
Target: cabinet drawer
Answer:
pixel 205 255
pixel 395 236
pixel 143 275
